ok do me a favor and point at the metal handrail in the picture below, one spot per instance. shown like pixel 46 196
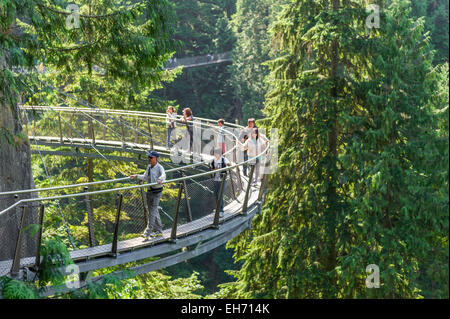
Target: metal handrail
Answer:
pixel 89 110
pixel 40 199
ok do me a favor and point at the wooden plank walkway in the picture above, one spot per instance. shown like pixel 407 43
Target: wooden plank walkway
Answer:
pixel 232 210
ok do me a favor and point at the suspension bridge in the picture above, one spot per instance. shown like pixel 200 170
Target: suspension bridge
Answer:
pixel 103 220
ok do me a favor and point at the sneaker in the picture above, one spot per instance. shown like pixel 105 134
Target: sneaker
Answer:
pixel 156 234
pixel 145 234
pixel 221 214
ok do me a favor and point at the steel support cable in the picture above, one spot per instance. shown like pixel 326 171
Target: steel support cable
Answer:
pixel 193 180
pixel 81 135
pixel 91 106
pixel 135 113
pixel 121 121
pixel 175 180
pixel 50 182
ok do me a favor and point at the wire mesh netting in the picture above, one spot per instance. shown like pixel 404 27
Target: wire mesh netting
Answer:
pixel 90 220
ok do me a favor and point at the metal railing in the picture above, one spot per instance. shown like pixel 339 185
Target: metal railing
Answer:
pixel 102 220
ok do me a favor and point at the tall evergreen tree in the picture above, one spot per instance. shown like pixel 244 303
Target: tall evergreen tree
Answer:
pixel 360 179
pixel 436 22
pixel 250 24
pixel 203 27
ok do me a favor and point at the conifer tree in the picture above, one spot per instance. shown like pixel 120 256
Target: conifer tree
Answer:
pixel 250 24
pixel 361 179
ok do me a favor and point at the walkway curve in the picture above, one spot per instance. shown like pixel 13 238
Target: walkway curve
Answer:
pixel 207 231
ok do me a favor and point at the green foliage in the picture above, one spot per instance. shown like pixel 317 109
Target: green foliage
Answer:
pixel 203 27
pixel 16 289
pixel 250 24
pixel 436 23
pixel 361 178
pixel 55 258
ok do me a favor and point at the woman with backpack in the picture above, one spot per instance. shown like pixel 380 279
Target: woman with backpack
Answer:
pixel 219 162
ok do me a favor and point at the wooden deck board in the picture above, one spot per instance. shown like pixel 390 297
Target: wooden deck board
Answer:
pixel 231 210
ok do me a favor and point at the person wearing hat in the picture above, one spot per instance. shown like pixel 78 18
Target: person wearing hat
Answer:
pixel 154 174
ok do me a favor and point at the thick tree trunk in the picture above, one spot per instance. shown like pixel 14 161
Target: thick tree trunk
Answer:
pixel 15 174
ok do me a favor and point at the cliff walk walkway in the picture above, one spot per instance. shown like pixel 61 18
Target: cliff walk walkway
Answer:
pixel 102 215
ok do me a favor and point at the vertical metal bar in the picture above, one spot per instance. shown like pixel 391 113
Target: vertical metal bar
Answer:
pixel 219 200
pixel 247 192
pixel 116 225
pixel 17 252
pixel 144 201
pixel 122 131
pixel 233 193
pixel 90 218
pixel 34 125
pixel 70 126
pixel 137 130
pixel 262 187
pixel 173 235
pixel 238 172
pixel 91 130
pixel 150 133
pixel 39 239
pixel 60 129
pixel 186 196
pixel 104 127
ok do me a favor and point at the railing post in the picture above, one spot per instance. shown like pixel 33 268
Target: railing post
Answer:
pixel 150 133
pixel 17 252
pixel 144 201
pixel 238 172
pixel 60 129
pixel 247 192
pixel 235 149
pixel 37 262
pixel 219 201
pixel 90 218
pixel 122 131
pixel 186 195
pixel 233 193
pixel 263 186
pixel 173 234
pixel 70 126
pixel 104 127
pixel 116 226
pixel 137 130
pixel 91 130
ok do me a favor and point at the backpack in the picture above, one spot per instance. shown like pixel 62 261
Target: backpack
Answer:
pixel 223 166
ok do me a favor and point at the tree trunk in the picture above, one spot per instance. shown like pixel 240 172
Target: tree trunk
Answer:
pixel 15 174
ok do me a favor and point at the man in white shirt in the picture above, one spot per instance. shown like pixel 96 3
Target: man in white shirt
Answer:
pixel 218 162
pixel 154 173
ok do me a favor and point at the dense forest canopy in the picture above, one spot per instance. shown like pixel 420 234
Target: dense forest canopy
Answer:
pixel 361 114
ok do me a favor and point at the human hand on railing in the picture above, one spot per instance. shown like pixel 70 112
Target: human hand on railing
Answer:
pixel 133 176
pixel 159 181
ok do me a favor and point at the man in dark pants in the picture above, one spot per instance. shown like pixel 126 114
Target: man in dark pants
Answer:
pixel 218 162
pixel 154 173
pixel 244 136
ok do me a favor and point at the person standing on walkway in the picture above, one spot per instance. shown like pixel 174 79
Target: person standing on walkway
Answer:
pixel 254 146
pixel 154 174
pixel 245 133
pixel 188 120
pixel 171 118
pixel 221 135
pixel 218 162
